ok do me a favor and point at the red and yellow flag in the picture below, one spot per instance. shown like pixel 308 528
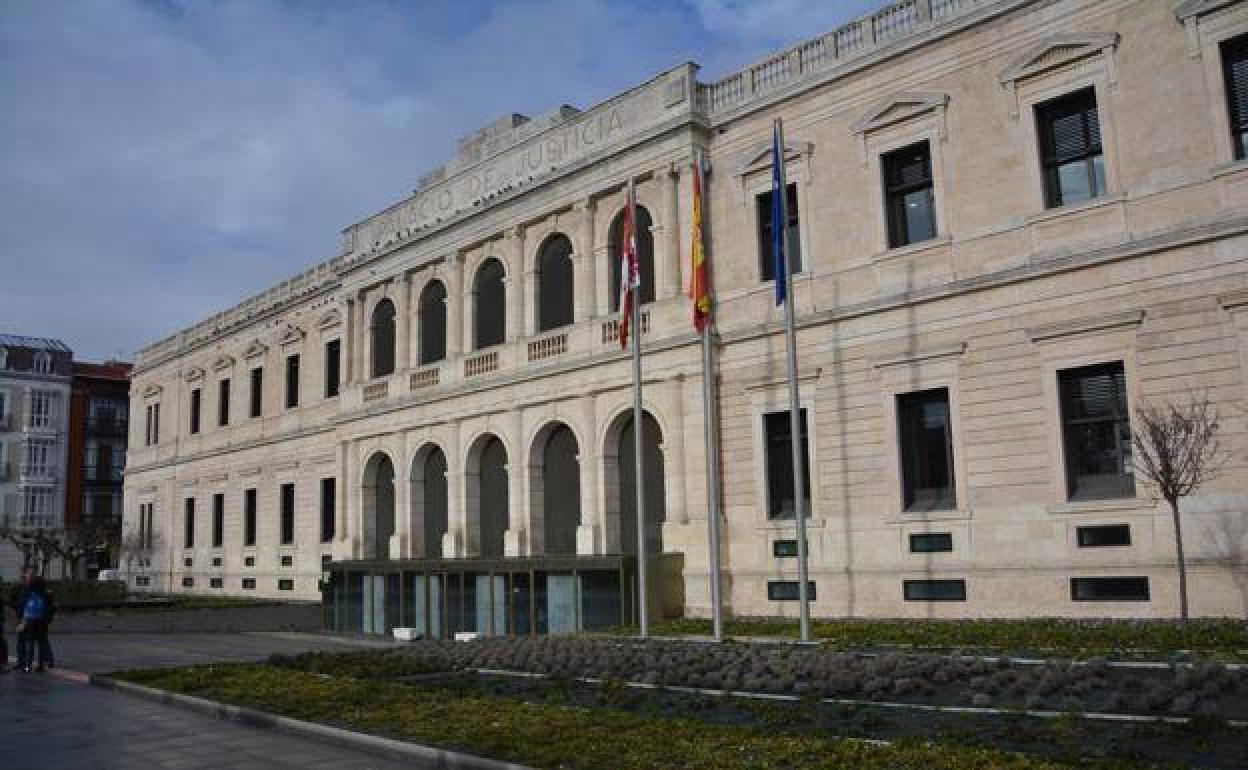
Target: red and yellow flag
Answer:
pixel 699 283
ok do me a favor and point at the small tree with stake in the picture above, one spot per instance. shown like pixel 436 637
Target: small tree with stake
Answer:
pixel 1176 450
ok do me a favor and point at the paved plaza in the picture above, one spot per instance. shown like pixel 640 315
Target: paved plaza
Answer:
pixel 58 722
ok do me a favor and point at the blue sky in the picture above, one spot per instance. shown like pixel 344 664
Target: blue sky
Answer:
pixel 161 160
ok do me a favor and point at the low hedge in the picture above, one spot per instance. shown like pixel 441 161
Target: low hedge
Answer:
pixel 1225 636
pixel 546 735
pixel 77 594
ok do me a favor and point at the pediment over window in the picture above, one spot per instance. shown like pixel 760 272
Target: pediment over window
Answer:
pixel 293 335
pixel 194 374
pixel 152 391
pixel 1193 8
pixel 901 107
pixel 759 157
pixel 222 363
pixel 330 319
pixel 255 349
pixel 1056 51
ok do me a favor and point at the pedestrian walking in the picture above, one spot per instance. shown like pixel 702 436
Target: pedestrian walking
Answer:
pixel 35 610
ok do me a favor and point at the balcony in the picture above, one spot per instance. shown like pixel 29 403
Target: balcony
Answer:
pixel 38 473
pixel 376 391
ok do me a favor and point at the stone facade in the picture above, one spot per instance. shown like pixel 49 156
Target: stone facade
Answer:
pixel 1148 275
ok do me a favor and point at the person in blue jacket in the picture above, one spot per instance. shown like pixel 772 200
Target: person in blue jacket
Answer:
pixel 35 609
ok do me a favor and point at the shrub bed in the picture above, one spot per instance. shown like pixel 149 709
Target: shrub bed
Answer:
pixel 555 736
pixel 1224 637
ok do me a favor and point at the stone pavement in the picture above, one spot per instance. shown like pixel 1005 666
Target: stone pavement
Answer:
pixel 57 722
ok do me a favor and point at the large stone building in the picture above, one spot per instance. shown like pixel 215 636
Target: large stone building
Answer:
pixel 1018 220
pixel 34 431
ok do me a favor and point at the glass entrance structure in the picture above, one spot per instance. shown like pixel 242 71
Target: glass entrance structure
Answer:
pixel 493 597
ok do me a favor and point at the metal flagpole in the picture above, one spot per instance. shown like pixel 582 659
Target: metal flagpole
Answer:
pixel 712 442
pixel 643 614
pixel 795 415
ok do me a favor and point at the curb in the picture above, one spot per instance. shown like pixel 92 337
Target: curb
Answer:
pixel 418 754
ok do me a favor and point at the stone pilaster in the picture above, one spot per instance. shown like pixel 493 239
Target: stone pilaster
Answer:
pixel 402 291
pixel 585 292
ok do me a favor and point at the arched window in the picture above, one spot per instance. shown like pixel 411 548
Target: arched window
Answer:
pixel 492 498
pixel 433 323
pixel 561 491
pixel 429 498
pixel 490 308
pixel 645 256
pixel 378 513
pixel 554 283
pixel 382 329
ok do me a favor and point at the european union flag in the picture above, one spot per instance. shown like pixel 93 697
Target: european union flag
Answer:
pixel 779 214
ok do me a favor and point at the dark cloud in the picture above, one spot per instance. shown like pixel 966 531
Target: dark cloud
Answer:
pixel 159 161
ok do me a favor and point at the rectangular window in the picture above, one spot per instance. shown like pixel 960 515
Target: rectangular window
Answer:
pixel 216 582
pixel 1070 148
pixel 41 409
pixel 779 458
pixel 1096 432
pixel 187 562
pixel 931 542
pixel 249 561
pixel 249 584
pixel 147 426
pixel 143 525
pixel 1109 589
pixel 909 195
pixel 155 423
pixel 292 381
pixel 787 590
pixel 188 582
pixel 766 260
pixel 288 560
pixel 333 350
pixel 216 561
pixel 286 585
pixel 195 411
pixel 188 537
pixel 926 450
pixel 288 514
pixel 1105 535
pixel 1235 72
pixel 784 549
pixel 326 558
pixel 218 520
pixel 249 517
pixel 142 581
pixel 329 502
pixel 257 391
pixel 223 402
pixel 934 590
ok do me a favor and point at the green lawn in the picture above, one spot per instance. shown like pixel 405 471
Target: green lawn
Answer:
pixel 1222 638
pixel 553 736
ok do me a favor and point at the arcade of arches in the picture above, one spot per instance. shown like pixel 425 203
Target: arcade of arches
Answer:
pixel 554 511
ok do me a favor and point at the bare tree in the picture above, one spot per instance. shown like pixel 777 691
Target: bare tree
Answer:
pixel 1176 450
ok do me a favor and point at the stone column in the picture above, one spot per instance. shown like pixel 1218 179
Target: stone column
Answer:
pixel 456 306
pixel 402 285
pixel 348 344
pixel 342 500
pixel 401 540
pixel 589 533
pixel 517 303
pixel 520 531
pixel 359 341
pixel 585 292
pixel 674 454
pixel 456 495
pixel 667 239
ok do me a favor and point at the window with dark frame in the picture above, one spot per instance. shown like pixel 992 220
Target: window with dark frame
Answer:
pixel 926 451
pixel 223 402
pixel 489 310
pixel 934 590
pixel 218 520
pixel 1096 432
pixel 1109 589
pixel 784 549
pixel 249 517
pixel 286 585
pixel 288 514
pixel 1235 75
pixel 909 195
pixel 292 381
pixel 555 283
pixel 257 391
pixel 216 582
pixel 188 582
pixel 147 426
pixel 766 260
pixel 329 502
pixel 249 584
pixel 931 542
pixel 1071 155
pixel 432 310
pixel 788 590
pixel 779 458
pixel 156 423
pixel 381 334
pixel 195 394
pixel 188 534
pixel 1103 535
pixel 333 367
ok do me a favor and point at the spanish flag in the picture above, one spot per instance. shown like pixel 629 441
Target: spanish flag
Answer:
pixel 699 282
